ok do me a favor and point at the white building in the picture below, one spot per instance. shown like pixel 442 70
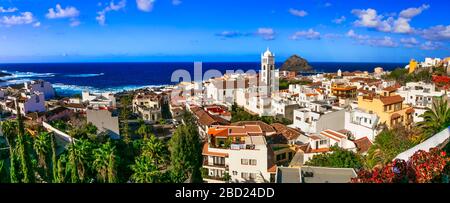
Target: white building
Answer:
pixel 361 124
pixel 148 106
pixel 239 151
pixel 317 117
pixel 420 96
pixel 27 102
pixel 40 86
pixel 105 99
pixel 430 62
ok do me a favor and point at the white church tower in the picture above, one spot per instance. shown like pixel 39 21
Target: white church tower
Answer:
pixel 268 70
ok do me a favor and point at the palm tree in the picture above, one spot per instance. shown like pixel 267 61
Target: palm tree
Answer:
pixel 105 163
pixel 79 159
pixel 144 130
pixel 144 171
pixel 435 118
pixel 155 149
pixel 25 159
pixel 9 129
pixel 54 159
pixel 42 146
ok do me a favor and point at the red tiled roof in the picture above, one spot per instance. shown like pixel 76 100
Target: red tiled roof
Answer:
pixel 363 144
pixel 288 133
pixel 391 99
pixel 410 110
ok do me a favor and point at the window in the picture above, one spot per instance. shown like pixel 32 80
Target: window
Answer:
pixel 322 142
pixel 385 108
pixel 235 173
pixel 244 161
pixel 252 176
pixel 365 120
pixel 244 175
pixel 253 162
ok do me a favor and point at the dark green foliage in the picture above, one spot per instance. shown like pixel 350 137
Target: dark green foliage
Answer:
pixel 284 84
pixel 185 148
pixel 402 76
pixel 339 158
pixel 239 114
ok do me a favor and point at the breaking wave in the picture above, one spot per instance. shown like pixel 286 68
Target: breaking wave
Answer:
pixel 68 90
pixel 17 74
pixel 84 75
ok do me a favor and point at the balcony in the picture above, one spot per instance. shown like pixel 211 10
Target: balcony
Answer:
pixel 207 163
pixel 214 178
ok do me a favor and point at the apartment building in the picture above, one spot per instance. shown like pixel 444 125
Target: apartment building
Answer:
pixel 40 86
pixel 320 115
pixel 389 107
pixel 148 106
pixel 239 151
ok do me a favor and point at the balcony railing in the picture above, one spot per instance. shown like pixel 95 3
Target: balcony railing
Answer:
pixel 215 164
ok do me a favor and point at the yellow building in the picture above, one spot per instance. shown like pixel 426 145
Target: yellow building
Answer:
pixel 412 65
pixel 390 109
pixel 342 91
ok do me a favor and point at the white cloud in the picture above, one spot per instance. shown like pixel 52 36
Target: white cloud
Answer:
pixel 429 45
pixel 412 12
pixel 370 19
pixel 439 32
pixel 176 2
pixel 308 34
pixel 339 20
pixel 353 35
pixel 266 33
pixel 75 23
pixel 409 42
pixel 232 34
pixel 37 24
pixel 371 41
pixel 382 42
pixel 22 19
pixel 299 13
pixel 101 15
pixel 8 10
pixel 68 12
pixel 145 5
pixel 332 36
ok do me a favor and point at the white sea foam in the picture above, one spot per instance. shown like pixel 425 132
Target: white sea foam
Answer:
pixel 84 75
pixel 17 74
pixel 77 89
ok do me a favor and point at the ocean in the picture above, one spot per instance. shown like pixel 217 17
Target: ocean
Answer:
pixel 72 78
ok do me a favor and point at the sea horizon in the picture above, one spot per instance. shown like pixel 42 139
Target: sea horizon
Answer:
pixel 72 78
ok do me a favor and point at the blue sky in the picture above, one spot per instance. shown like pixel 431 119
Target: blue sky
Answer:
pixel 212 30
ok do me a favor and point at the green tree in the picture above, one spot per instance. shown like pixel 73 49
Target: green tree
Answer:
pixel 145 171
pixel 80 158
pixel 9 129
pixel 155 149
pixel 54 159
pixel 105 163
pixel 436 118
pixel 387 145
pixel 339 158
pixel 124 116
pixel 24 155
pixel 186 151
pixel 144 130
pixel 42 146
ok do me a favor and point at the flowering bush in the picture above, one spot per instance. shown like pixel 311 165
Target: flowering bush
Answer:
pixel 422 167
